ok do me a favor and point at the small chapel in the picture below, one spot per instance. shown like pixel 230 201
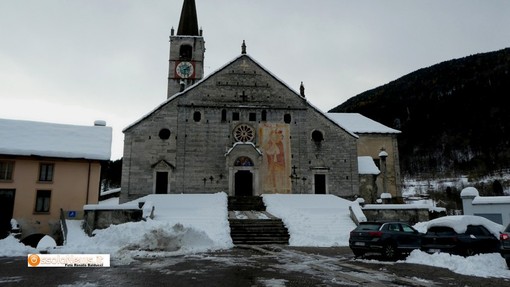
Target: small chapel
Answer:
pixel 239 130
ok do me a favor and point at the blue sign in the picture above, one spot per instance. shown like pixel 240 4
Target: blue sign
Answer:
pixel 71 214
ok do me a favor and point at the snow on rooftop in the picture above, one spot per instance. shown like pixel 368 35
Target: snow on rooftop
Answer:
pixel 366 165
pixel 491 200
pixel 28 138
pixel 469 191
pixel 359 124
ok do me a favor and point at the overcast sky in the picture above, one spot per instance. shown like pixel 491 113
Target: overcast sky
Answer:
pixel 75 61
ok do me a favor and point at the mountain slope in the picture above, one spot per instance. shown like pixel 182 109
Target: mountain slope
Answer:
pixel 454 116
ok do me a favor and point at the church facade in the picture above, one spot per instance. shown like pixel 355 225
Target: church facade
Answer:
pixel 239 130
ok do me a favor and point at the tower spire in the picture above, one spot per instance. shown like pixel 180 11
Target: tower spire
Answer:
pixel 188 24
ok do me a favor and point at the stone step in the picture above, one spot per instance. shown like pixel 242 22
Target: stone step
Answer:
pixel 246 203
pixel 258 231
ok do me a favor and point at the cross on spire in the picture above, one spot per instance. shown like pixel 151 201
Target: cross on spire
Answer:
pixel 243 48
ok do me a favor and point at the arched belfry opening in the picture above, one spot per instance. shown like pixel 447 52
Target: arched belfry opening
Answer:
pixel 186 53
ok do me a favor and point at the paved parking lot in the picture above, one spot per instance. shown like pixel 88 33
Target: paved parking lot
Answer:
pixel 271 266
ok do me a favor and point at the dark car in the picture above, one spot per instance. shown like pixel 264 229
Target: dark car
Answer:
pixel 389 239
pixel 476 239
pixel 504 239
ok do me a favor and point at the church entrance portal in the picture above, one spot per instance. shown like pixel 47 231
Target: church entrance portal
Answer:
pixel 161 182
pixel 320 183
pixel 243 183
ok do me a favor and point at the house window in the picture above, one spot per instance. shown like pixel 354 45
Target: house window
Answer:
pixel 235 116
pixel 287 118
pixel 223 115
pixel 253 117
pixel 46 172
pixel 42 201
pixel 197 116
pixel 6 168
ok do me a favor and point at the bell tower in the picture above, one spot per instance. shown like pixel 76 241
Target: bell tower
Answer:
pixel 187 49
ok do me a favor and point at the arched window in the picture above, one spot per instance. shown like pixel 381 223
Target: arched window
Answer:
pixel 197 116
pixel 317 136
pixel 186 52
pixel 223 115
pixel 287 118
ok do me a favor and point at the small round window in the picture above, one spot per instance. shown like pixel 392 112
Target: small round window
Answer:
pixel 244 133
pixel 164 134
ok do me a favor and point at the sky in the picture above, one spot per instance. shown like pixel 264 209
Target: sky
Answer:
pixel 76 61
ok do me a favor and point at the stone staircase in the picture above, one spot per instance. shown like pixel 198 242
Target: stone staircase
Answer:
pixel 246 203
pixel 251 224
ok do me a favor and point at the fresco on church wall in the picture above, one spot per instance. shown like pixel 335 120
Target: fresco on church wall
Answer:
pixel 274 141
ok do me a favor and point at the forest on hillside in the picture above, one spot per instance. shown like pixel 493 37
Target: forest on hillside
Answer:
pixel 454 116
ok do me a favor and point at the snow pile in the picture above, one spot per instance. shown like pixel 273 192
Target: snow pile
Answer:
pixel 313 219
pixel 134 239
pixel 482 265
pixel 182 224
pixel 203 212
pixel 11 246
pixel 356 210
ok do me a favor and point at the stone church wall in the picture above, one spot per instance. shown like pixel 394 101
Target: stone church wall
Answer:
pixel 201 122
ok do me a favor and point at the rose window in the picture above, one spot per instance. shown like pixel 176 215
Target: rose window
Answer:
pixel 244 133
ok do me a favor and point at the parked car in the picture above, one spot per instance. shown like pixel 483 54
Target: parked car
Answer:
pixel 504 239
pixel 464 235
pixel 389 239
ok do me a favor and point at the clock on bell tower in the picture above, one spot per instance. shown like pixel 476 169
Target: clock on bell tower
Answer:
pixel 187 50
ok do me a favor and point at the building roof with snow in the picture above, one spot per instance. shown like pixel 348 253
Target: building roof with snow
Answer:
pixel 366 165
pixel 29 138
pixel 359 124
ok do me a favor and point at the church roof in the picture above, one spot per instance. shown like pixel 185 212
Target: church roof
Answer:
pixel 188 24
pixel 359 124
pixel 28 138
pixel 177 95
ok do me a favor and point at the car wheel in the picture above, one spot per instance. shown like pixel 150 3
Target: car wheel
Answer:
pixel 389 251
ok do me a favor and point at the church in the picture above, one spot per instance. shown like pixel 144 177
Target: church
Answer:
pixel 239 130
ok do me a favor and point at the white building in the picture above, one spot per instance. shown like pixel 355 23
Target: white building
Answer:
pixel 495 208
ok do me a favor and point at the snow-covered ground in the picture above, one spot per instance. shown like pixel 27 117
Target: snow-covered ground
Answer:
pixel 312 219
pixel 420 187
pixel 195 223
